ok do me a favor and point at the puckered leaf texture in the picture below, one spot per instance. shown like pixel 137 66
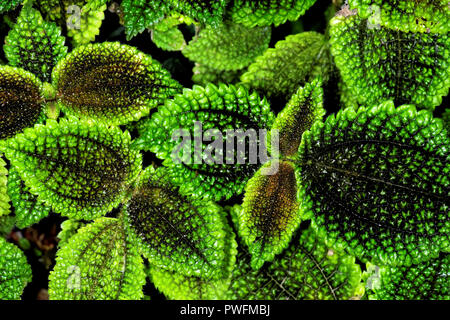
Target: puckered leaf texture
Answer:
pixel 20 100
pixel 98 263
pixel 27 208
pixel 4 198
pixel 381 64
pixel 167 36
pixel 111 82
pixel 270 212
pixel 377 181
pixel 193 164
pixel 179 233
pixel 15 272
pixel 81 169
pixel 89 25
pixel 266 12
pixel 202 75
pixel 34 44
pixel 429 280
pixel 208 12
pixel 308 270
pixel 228 46
pixel 406 15
pixel 292 63
pixel 7 5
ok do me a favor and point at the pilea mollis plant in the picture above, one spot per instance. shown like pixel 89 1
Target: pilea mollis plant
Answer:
pixel 352 97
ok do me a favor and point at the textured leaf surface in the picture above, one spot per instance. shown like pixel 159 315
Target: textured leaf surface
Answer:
pixel 7 5
pixel 228 46
pixel 406 15
pixel 203 75
pixel 222 108
pixel 179 233
pixel 89 27
pixel 270 212
pixel 167 36
pixel 34 44
pixel 292 63
pixel 384 64
pixel 80 169
pixel 304 107
pixel 68 229
pixel 4 198
pixel 266 12
pixel 20 100
pixel 15 272
pixel 208 12
pixel 98 263
pixel 309 269
pixel 446 118
pixel 27 208
pixel 111 82
pixel 377 180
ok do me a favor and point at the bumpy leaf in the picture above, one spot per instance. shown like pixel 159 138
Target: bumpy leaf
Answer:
pixel 15 272
pixel 305 107
pixel 228 46
pixel 208 12
pixel 270 212
pixel 59 10
pixel 98 263
pixel 426 281
pixel 179 233
pixel 27 208
pixel 7 5
pixel 406 15
pixel 68 229
pixel 111 82
pixel 446 118
pixel 292 63
pixel 377 180
pixel 167 36
pixel 142 14
pixel 309 269
pixel 4 199
pixel 20 100
pixel 266 12
pixel 203 75
pixel 34 44
pixel 89 26
pixel 384 64
pixel 198 166
pixel 79 168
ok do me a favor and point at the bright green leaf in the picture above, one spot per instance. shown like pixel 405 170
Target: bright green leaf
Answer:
pixel 7 5
pixel 89 26
pixel 4 198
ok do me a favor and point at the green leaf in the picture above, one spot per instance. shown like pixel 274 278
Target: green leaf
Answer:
pixel 209 12
pixel 405 15
pixel 27 208
pixel 20 100
pixel 111 82
pixel 384 64
pixel 7 5
pixel 309 270
pixel 426 281
pixel 270 212
pixel 167 36
pixel 377 181
pixel 98 263
pixel 68 229
pixel 139 15
pixel 202 75
pixel 219 108
pixel 266 12
pixel 34 44
pixel 4 198
pixel 7 224
pixel 446 119
pixel 292 63
pixel 15 272
pixel 81 169
pixel 89 28
pixel 228 46
pixel 305 107
pixel 179 233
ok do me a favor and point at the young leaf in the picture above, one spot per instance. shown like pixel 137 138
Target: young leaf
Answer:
pixel 68 229
pixel 405 15
pixel 15 272
pixel 179 233
pixel 228 46
pixel 291 64
pixel 309 270
pixel 81 169
pixel 7 5
pixel 111 82
pixel 219 108
pixel 27 208
pixel 4 198
pixel 167 36
pixel 270 212
pixel 98 263
pixel 304 108
pixel 34 44
pixel 383 64
pixel 266 12
pixel 20 100
pixel 426 281
pixel 89 28
pixel 377 180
